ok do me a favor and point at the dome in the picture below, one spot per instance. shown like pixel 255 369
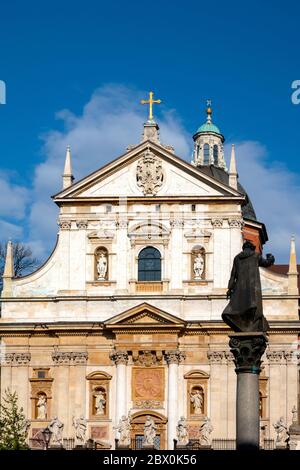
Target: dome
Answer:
pixel 209 127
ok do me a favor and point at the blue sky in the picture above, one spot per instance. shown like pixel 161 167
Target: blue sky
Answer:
pixel 61 55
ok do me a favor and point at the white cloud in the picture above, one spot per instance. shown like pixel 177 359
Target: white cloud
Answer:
pixel 10 231
pixel 14 198
pixel 275 194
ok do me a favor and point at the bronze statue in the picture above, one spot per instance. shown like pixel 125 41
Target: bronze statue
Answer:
pixel 245 311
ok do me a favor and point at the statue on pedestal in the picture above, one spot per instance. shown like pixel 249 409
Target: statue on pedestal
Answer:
pixel 205 432
pixel 244 313
pixel 80 429
pixel 281 431
pixel 182 432
pixel 56 427
pixel 124 428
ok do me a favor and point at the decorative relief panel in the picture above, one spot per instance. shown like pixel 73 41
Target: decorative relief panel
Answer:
pixel 149 174
pixel 148 384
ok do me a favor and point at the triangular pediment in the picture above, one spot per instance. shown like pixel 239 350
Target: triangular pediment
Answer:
pixel 172 176
pixel 144 315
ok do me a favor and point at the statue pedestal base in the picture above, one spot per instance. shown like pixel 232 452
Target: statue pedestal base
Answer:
pixel 148 446
pixel 294 433
pixel 247 349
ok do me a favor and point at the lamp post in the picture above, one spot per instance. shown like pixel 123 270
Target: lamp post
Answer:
pixel 47 436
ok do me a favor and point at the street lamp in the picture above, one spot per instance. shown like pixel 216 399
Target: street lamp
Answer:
pixel 47 436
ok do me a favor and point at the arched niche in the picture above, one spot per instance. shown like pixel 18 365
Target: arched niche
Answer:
pixel 99 395
pixel 196 394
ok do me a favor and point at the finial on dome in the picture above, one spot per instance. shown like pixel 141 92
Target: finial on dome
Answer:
pixel 208 111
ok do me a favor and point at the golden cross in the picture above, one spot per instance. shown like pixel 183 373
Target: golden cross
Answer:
pixel 150 101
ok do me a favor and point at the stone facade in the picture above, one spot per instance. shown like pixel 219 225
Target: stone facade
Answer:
pixel 137 345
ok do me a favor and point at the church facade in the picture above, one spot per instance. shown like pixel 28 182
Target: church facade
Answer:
pixel 125 315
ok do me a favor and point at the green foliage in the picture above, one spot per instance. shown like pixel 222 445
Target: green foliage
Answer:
pixel 13 424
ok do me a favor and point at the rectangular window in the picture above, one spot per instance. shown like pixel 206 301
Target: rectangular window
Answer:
pixel 41 374
pixel 108 208
pixel 193 207
pixel 157 207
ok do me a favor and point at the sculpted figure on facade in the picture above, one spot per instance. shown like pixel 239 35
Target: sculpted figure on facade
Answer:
pixel 102 266
pixel 80 429
pixel 100 402
pixel 196 398
pixel 281 431
pixel 149 431
pixel 182 432
pixel 124 428
pixel 206 429
pixel 56 427
pixel 198 266
pixel 42 407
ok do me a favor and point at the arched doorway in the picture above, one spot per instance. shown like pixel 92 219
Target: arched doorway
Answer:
pixel 137 429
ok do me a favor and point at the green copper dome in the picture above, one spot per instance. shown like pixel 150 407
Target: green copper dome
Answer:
pixel 208 127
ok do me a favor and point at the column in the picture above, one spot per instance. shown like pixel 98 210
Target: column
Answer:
pixel 120 358
pixel 277 403
pixel 218 393
pixel 173 359
pixel 176 247
pixel 247 349
pixel 122 242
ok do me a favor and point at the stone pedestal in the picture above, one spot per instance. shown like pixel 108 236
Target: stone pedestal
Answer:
pixel 247 349
pixel 294 436
pixel 147 446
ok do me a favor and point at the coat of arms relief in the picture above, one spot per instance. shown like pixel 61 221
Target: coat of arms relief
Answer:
pixel 149 174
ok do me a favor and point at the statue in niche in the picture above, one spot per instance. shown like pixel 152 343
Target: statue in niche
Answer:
pixel 56 427
pixel 124 428
pixel 245 310
pixel 42 407
pixel 149 431
pixel 182 432
pixel 196 398
pixel 198 267
pixel 80 429
pixel 100 402
pixel 205 432
pixel 281 431
pixel 102 266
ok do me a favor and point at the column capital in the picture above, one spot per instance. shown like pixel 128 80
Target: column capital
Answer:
pixel 275 356
pixel 247 349
pixel 119 357
pixel 215 357
pixel 174 356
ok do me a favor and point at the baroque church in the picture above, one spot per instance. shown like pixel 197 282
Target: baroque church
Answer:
pixel 124 318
